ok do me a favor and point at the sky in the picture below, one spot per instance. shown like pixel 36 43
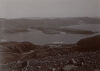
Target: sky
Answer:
pixel 2 7
pixel 47 8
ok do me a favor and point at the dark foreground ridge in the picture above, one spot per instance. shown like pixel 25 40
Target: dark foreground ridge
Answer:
pixel 25 56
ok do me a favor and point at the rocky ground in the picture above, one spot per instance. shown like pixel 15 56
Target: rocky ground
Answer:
pixel 25 56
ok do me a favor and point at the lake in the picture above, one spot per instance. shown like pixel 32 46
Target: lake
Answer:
pixel 64 34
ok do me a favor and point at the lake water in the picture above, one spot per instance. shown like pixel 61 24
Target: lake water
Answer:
pixel 37 36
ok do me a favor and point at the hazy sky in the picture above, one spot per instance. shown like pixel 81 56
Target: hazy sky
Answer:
pixel 2 7
pixel 47 8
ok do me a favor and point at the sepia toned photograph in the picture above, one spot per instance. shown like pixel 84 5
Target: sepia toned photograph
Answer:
pixel 49 35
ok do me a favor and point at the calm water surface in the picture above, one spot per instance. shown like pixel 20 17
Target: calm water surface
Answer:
pixel 39 37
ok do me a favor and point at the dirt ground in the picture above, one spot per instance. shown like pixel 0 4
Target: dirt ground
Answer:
pixel 25 56
pixel 46 58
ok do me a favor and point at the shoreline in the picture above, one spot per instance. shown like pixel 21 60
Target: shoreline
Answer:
pixel 82 56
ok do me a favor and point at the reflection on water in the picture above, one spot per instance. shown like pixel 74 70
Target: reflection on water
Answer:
pixel 38 37
pixel 47 31
pixel 90 27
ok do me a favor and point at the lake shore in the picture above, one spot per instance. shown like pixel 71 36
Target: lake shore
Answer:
pixel 32 57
